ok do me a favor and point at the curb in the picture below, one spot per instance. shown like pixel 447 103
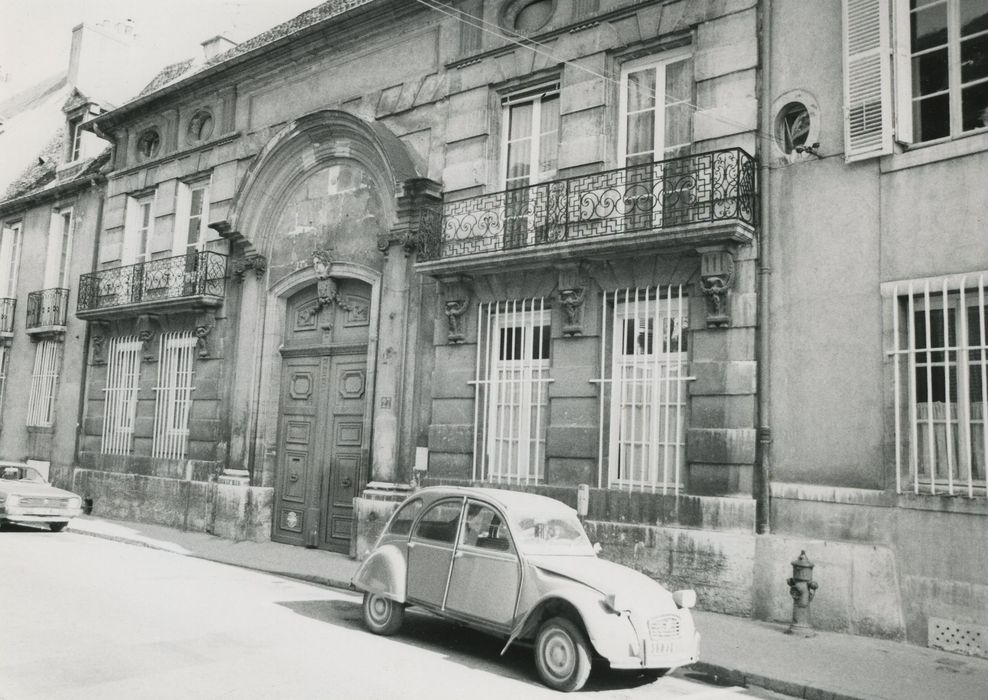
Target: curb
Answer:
pixel 737 677
pixel 318 580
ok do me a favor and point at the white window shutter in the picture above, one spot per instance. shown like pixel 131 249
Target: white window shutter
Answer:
pixel 903 73
pixel 867 79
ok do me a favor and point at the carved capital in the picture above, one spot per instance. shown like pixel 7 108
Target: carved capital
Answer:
pixel 716 280
pixel 255 261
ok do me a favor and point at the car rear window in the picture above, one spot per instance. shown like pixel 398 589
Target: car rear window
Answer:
pixel 402 522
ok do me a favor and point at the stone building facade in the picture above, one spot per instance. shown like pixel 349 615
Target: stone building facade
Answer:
pixel 543 244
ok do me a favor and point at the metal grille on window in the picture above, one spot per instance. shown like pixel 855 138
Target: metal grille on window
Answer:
pixel 44 379
pixel 173 395
pixel 511 411
pixel 643 400
pixel 4 356
pixel 123 370
pixel 940 370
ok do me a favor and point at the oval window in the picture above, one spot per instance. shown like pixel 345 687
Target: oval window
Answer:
pixel 149 144
pixel 792 127
pixel 201 125
pixel 533 16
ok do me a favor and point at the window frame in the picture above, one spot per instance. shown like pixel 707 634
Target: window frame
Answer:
pixel 415 534
pixel 59 254
pixel 44 384
pixel 186 197
pixel 10 257
pixel 123 375
pixel 534 96
pixel 138 233
pixel 658 63
pixel 174 393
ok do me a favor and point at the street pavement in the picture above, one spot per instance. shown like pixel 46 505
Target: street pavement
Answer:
pixel 734 651
pixel 83 618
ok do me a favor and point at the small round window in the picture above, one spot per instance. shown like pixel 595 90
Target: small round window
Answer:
pixel 149 143
pixel 201 125
pixel 533 16
pixel 792 127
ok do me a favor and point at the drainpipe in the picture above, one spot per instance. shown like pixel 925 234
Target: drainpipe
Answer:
pixel 763 471
pixel 83 377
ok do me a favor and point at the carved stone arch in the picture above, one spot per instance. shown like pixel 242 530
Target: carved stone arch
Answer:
pixel 304 146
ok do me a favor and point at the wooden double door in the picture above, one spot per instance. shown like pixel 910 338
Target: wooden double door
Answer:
pixel 323 439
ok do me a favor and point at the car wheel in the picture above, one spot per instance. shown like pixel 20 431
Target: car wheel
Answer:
pixel 57 527
pixel 382 615
pixel 562 655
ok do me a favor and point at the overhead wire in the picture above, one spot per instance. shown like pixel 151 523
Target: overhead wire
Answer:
pixel 543 49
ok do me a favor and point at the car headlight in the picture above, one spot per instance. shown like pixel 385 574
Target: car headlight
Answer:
pixel 685 598
pixel 75 502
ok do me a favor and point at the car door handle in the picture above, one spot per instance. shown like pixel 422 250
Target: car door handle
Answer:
pixel 458 555
pixel 411 545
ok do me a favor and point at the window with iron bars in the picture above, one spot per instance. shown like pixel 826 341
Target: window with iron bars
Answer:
pixel 44 380
pixel 511 410
pixel 173 395
pixel 940 385
pixel 643 399
pixel 4 358
pixel 123 373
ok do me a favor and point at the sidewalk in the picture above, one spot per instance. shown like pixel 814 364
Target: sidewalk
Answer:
pixel 738 651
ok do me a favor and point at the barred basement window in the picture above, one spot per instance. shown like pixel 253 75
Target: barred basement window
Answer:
pixel 4 358
pixel 645 395
pixel 511 411
pixel 940 385
pixel 44 379
pixel 173 400
pixel 123 373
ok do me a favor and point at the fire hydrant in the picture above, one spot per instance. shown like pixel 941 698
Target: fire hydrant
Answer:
pixel 802 588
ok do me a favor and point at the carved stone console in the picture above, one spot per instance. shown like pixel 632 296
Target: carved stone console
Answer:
pixel 572 287
pixel 717 275
pixel 456 294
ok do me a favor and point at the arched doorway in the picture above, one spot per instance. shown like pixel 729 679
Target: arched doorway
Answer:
pixel 323 431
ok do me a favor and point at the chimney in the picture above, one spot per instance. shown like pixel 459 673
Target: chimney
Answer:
pixel 216 45
pixel 102 61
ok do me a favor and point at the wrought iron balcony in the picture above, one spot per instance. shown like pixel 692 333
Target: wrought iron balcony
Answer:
pixel 7 306
pixel 192 280
pixel 47 310
pixel 682 199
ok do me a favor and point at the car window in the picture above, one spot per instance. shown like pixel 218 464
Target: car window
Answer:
pixel 401 524
pixel 483 528
pixel 440 522
pixel 547 532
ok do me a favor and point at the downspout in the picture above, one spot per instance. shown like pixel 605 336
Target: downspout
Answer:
pixel 763 470
pixel 83 377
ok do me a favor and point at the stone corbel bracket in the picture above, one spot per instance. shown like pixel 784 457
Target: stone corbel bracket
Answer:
pixel 97 341
pixel 572 285
pixel 456 294
pixel 148 335
pixel 717 275
pixel 205 323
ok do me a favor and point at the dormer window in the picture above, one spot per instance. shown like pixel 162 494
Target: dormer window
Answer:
pixel 75 139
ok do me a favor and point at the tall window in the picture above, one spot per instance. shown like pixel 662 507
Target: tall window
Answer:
pixel 530 155
pixel 173 395
pixel 139 230
pixel 940 366
pixel 194 211
pixel 512 391
pixel 59 250
pixel 10 257
pixel 4 360
pixel 948 49
pixel 44 380
pixel 75 139
pixel 646 336
pixel 123 372
pixel 656 113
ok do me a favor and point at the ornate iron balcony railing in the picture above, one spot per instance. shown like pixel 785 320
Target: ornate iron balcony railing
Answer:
pixel 194 274
pixel 7 306
pixel 47 307
pixel 703 188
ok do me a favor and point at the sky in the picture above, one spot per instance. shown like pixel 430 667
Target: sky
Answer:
pixel 35 35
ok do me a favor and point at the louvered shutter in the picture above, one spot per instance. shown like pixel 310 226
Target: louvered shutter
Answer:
pixel 867 79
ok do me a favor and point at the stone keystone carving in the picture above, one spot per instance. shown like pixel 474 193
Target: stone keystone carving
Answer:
pixel 716 279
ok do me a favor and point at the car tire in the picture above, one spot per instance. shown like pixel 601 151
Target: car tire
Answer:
pixel 382 615
pixel 562 655
pixel 57 527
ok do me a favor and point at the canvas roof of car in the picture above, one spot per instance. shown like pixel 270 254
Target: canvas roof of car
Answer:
pixel 510 500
